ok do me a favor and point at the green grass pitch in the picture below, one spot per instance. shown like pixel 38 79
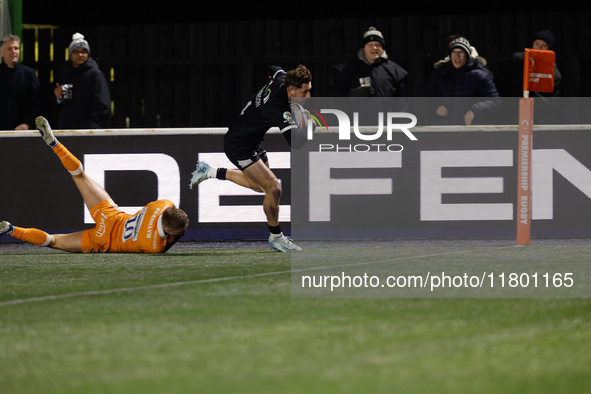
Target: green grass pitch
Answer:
pixel 222 320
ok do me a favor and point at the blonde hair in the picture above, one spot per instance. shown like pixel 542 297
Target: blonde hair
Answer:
pixel 175 218
pixel 10 38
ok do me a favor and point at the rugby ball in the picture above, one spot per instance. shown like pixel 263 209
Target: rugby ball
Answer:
pixel 299 115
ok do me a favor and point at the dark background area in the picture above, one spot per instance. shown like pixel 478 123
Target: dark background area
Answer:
pixel 195 65
pixel 111 12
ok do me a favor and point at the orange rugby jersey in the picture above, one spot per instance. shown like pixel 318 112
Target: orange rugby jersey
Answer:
pixel 142 232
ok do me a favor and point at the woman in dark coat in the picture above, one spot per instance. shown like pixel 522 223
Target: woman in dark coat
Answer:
pixel 460 85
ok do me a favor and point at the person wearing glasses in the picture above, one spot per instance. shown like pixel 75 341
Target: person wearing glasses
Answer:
pixel 459 86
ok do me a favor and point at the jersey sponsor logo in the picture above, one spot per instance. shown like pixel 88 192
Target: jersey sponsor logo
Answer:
pixel 102 226
pixel 288 118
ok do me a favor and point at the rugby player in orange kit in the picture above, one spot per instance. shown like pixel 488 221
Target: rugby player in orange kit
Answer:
pixel 154 229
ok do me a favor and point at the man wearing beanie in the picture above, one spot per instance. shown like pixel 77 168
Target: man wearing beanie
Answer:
pixel 513 84
pixel 473 53
pixel 543 40
pixel 465 92
pixel 370 73
pixel 82 93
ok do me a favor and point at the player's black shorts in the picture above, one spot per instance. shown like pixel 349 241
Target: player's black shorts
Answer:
pixel 242 156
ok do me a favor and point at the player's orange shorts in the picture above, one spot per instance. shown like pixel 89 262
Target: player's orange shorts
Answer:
pixel 107 219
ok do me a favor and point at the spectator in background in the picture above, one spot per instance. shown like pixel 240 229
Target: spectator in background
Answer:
pixel 370 73
pixel 461 77
pixel 473 53
pixel 513 86
pixel 19 88
pixel 82 93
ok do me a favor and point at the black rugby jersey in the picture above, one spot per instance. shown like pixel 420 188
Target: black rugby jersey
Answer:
pixel 269 107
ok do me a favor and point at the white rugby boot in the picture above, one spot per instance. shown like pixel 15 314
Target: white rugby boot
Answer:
pixel 46 132
pixel 200 174
pixel 283 244
pixel 6 228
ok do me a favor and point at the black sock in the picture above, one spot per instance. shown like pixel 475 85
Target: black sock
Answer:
pixel 221 173
pixel 275 229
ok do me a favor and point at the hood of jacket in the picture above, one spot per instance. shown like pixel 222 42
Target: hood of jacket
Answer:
pixel 89 64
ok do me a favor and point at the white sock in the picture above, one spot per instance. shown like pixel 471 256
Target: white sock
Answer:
pixel 276 236
pixel 212 172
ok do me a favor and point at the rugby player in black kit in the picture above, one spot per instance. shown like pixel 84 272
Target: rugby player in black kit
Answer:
pixel 243 144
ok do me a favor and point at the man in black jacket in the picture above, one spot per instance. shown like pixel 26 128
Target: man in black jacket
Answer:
pixel 82 92
pixel 376 82
pixel 370 73
pixel 19 88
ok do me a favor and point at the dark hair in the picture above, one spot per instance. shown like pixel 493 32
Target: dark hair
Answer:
pixel 546 36
pixel 297 77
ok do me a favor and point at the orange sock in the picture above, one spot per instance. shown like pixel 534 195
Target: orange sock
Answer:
pixel 32 235
pixel 70 162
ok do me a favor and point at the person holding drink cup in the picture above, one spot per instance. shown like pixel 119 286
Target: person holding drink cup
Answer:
pixel 370 73
pixel 82 93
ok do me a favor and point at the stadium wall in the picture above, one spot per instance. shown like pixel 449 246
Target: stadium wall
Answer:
pixel 455 182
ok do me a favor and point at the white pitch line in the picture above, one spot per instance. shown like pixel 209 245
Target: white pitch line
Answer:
pixel 124 289
pixel 193 282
